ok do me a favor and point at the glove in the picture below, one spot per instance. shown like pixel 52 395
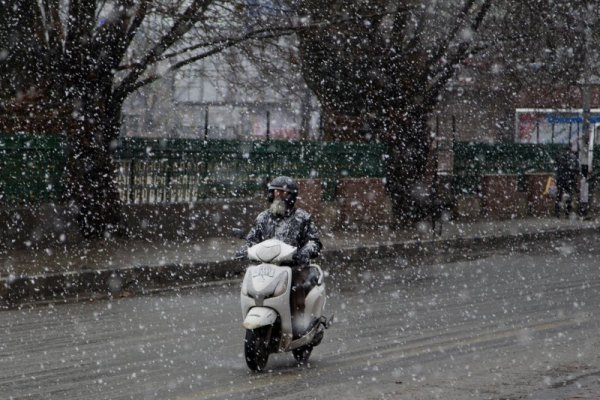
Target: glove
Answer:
pixel 302 258
pixel 241 254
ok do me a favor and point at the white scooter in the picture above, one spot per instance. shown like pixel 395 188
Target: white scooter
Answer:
pixel 265 298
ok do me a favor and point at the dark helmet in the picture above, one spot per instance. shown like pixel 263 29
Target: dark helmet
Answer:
pixel 286 184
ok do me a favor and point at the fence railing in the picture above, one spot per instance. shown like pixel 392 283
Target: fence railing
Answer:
pixel 32 167
pixel 157 171
pixel 190 170
pixel 473 160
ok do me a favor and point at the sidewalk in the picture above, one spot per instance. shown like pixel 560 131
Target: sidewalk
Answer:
pixel 92 269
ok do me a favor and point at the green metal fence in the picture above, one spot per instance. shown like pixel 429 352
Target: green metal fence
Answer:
pixel 473 160
pixel 31 168
pixel 190 170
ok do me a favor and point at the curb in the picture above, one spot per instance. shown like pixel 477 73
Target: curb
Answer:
pixel 95 284
pixel 461 248
pixel 146 279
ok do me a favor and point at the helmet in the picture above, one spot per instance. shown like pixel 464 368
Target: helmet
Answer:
pixel 286 184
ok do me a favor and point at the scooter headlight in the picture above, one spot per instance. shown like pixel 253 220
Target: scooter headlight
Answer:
pixel 281 286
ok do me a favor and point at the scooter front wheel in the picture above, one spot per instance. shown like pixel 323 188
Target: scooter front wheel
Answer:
pixel 256 347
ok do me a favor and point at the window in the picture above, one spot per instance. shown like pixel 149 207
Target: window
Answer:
pixel 195 85
pixel 188 85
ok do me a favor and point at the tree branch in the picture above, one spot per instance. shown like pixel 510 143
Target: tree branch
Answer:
pixel 177 31
pixel 123 91
pixel 446 70
pixel 264 33
pixel 135 24
pixel 54 25
pixel 412 44
pixel 460 23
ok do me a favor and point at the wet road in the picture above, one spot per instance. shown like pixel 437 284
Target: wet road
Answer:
pixel 503 326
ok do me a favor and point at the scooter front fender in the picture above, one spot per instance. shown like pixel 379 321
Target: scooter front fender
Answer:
pixel 259 316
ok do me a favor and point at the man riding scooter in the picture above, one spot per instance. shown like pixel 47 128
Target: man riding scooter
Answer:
pixel 294 226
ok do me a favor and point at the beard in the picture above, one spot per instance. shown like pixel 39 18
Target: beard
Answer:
pixel 278 208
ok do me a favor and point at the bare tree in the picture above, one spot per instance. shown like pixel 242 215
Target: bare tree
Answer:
pixel 548 42
pixel 381 66
pixel 74 62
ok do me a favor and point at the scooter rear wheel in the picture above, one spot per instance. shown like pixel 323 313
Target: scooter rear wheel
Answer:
pixel 301 354
pixel 256 347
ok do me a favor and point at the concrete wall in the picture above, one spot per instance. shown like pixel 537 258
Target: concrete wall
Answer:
pixel 191 220
pixel 54 224
pixel 539 205
pixel 467 207
pixel 359 203
pixel 47 223
pixel 362 202
pixel 310 195
pixel 501 198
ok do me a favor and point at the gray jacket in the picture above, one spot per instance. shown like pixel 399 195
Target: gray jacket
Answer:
pixel 296 229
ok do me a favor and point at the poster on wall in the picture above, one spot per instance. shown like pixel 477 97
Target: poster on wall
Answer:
pixel 561 126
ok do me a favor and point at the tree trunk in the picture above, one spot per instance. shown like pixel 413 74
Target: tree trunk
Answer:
pixel 408 146
pixel 91 172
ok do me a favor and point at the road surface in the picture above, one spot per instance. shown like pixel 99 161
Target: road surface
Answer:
pixel 522 323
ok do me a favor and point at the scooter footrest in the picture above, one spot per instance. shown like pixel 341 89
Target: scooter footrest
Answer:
pixel 326 322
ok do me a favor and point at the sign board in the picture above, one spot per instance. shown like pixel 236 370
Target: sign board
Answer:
pixel 535 125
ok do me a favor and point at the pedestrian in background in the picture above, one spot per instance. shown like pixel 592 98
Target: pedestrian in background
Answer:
pixel 567 171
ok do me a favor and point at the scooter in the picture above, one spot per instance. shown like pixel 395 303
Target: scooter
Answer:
pixel 265 298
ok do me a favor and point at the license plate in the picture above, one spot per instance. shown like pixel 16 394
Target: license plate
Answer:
pixel 264 271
